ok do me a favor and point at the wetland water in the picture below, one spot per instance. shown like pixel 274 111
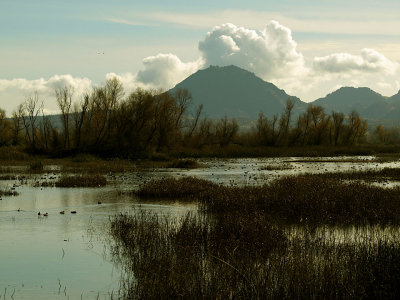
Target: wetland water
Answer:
pixel 61 256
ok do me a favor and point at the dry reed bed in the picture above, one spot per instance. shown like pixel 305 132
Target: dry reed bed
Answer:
pixel 197 257
pixel 313 199
pixel 91 180
pixel 270 242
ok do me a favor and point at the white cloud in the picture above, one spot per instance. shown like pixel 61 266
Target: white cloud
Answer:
pixel 46 86
pixel 165 70
pixel 18 89
pixel 128 80
pixel 270 53
pixel 369 61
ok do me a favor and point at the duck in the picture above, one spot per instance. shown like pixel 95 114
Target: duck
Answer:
pixel 46 214
pixel 99 202
pixel 73 212
pixel 39 213
pixel 18 209
pixel 62 212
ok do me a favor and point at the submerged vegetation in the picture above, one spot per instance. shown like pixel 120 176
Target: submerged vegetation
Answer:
pixel 298 237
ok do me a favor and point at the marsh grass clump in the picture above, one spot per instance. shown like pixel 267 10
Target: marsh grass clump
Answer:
pixel 10 153
pixel 192 256
pixel 275 167
pixel 239 256
pixel 6 192
pixel 36 166
pixel 8 177
pixel 297 237
pixel 91 180
pixel 310 199
pixel 183 164
pixel 368 175
pixel 83 158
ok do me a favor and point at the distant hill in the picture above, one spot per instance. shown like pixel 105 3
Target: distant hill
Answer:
pixel 368 103
pixel 347 99
pixel 237 93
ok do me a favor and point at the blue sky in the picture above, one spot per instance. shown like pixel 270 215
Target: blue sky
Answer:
pixel 42 39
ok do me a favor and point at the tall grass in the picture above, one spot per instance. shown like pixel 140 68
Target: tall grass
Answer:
pixel 312 199
pixel 299 237
pixel 197 257
pixel 91 180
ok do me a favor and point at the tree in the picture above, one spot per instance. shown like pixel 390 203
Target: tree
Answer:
pixel 338 119
pixel 64 101
pixel 226 131
pixel 31 108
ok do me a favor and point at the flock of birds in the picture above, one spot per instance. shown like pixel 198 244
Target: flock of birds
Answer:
pixel 46 214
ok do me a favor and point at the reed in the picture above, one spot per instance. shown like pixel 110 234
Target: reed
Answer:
pixel 310 199
pixel 91 180
pixel 230 257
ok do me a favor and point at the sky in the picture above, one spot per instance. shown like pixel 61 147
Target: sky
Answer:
pixel 308 48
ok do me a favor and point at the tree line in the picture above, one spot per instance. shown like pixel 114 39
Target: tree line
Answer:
pixel 107 122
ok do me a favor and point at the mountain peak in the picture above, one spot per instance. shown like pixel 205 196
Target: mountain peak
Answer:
pixel 235 92
pixel 346 99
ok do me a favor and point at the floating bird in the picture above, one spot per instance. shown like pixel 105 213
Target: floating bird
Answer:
pixel 18 209
pixel 62 212
pixel 46 214
pixel 73 212
pixel 39 213
pixel 98 202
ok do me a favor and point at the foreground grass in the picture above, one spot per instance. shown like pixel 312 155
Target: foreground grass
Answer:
pixel 298 237
pixel 226 258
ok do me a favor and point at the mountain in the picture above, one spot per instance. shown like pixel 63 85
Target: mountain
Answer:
pixel 235 92
pixel 368 103
pixel 347 99
pixel 238 93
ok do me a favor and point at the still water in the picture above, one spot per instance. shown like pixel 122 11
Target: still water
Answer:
pixel 65 256
pixel 61 256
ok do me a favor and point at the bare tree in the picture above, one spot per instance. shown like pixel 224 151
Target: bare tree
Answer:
pixel 31 107
pixel 64 101
pixel 338 119
pixel 183 98
pixel 226 131
pixel 17 123
pixel 79 114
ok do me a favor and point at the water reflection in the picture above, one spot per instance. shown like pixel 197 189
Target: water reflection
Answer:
pixel 54 257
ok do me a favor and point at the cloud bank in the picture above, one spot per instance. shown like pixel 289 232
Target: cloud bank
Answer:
pixel 271 53
pixel 369 61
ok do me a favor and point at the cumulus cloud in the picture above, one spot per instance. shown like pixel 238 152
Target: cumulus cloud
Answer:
pixel 165 70
pixel 368 61
pixel 270 53
pixel 18 88
pixel 46 86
